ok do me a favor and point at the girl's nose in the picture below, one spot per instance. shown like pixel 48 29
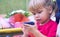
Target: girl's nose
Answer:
pixel 37 15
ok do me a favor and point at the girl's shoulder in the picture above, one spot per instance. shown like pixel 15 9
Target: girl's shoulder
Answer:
pixel 53 22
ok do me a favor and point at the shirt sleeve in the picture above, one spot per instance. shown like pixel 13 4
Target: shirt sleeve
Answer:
pixel 52 32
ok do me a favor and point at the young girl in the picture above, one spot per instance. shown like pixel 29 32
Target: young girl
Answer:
pixel 44 26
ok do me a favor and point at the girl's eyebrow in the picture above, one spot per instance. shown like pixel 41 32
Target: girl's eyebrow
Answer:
pixel 40 11
pixel 33 12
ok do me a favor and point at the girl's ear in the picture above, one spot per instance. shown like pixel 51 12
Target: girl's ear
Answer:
pixel 50 9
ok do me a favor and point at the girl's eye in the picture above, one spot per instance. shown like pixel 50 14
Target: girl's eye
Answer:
pixel 34 13
pixel 40 12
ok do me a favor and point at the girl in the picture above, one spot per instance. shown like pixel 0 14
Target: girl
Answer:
pixel 44 26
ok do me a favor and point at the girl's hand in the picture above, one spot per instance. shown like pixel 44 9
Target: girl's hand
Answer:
pixel 33 29
pixel 30 28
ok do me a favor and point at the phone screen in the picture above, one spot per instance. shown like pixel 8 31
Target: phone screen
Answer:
pixel 30 23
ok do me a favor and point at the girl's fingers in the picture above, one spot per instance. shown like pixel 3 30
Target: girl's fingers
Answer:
pixel 29 27
pixel 32 26
pixel 26 25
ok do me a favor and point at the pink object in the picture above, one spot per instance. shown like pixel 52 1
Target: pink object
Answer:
pixel 12 20
pixel 4 23
pixel 18 25
pixel 49 29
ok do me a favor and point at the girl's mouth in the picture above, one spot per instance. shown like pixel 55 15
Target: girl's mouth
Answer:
pixel 38 19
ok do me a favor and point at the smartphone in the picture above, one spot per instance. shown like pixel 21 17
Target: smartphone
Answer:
pixel 30 23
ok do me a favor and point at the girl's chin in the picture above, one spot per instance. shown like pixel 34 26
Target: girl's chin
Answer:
pixel 40 22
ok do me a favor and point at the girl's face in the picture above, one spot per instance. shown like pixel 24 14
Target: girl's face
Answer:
pixel 42 15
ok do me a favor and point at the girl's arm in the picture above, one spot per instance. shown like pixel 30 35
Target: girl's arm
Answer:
pixel 38 34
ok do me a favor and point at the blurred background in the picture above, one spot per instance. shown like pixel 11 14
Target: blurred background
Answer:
pixel 7 6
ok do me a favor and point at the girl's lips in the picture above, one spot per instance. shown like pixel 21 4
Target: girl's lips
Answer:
pixel 38 19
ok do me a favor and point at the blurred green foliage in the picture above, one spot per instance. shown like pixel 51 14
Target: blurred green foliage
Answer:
pixel 26 14
pixel 7 6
